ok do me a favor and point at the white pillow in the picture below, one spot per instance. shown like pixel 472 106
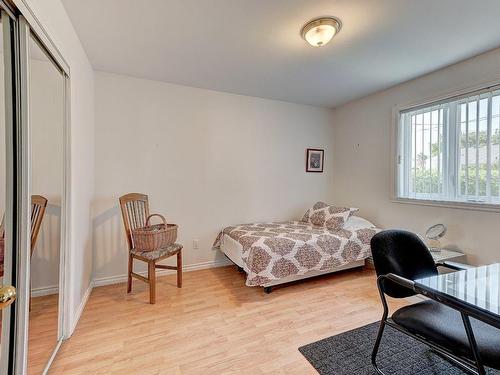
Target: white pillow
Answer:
pixel 356 222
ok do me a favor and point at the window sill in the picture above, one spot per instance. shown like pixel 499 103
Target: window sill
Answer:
pixel 446 204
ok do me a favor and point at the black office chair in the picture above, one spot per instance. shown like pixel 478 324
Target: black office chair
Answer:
pixel 401 257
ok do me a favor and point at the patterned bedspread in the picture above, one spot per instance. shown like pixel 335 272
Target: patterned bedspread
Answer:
pixel 273 251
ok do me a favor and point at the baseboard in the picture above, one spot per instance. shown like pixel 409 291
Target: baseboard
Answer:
pixel 81 307
pixel 44 291
pixel 187 268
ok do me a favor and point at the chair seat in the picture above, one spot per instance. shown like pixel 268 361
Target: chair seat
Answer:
pixel 158 254
pixel 443 325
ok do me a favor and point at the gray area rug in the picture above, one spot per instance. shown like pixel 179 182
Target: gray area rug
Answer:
pixel 349 353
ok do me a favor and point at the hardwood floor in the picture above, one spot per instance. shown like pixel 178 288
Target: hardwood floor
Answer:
pixel 42 338
pixel 215 325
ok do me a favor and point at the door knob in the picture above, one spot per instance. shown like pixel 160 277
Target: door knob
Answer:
pixel 7 296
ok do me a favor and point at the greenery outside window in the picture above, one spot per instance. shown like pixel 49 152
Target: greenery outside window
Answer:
pixel 449 150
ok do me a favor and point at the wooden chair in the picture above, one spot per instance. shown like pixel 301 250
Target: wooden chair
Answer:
pixel 38 205
pixel 135 211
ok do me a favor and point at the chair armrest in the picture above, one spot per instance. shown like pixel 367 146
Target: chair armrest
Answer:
pixel 405 283
pixel 398 280
pixel 454 265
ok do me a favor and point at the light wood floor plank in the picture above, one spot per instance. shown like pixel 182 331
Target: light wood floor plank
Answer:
pixel 215 325
pixel 42 338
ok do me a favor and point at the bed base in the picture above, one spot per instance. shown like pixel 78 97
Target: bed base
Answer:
pixel 268 288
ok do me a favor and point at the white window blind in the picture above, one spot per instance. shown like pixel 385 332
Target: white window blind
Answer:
pixel 449 150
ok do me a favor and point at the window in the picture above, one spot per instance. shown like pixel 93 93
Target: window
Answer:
pixel 449 150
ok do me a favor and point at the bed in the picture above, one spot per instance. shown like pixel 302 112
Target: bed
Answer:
pixel 276 253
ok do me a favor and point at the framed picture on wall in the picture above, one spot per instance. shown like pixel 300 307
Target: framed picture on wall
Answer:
pixel 314 160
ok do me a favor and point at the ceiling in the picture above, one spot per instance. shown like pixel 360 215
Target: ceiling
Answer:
pixel 253 47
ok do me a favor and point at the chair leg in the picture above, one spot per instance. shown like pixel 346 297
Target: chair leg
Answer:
pixel 381 328
pixel 129 280
pixel 152 282
pixel 377 345
pixel 179 269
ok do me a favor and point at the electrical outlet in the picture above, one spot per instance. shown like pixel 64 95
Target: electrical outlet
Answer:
pixel 196 244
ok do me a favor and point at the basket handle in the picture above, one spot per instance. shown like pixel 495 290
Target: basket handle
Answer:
pixel 160 216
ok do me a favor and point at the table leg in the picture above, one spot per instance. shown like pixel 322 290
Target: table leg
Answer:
pixel 473 344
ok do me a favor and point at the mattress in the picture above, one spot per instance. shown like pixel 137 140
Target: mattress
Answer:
pixel 272 252
pixel 233 250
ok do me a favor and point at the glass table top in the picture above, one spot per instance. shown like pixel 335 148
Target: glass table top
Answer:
pixel 478 287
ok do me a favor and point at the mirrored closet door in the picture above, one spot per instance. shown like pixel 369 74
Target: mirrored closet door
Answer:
pixel 3 169
pixel 5 180
pixel 34 200
pixel 46 123
pixel 9 230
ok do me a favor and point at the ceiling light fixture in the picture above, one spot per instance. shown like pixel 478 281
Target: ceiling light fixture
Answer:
pixel 320 31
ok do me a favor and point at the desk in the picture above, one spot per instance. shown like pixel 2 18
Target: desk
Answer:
pixel 438 256
pixel 474 292
pixel 446 254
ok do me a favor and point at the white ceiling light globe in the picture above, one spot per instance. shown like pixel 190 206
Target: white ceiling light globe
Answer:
pixel 320 31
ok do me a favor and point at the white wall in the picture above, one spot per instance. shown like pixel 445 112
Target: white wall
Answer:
pixel 47 145
pixel 362 160
pixel 206 159
pixel 54 19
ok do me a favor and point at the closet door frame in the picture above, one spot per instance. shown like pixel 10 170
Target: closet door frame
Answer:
pixel 30 27
pixel 9 338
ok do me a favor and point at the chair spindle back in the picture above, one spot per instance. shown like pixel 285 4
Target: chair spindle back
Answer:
pixel 38 205
pixel 135 211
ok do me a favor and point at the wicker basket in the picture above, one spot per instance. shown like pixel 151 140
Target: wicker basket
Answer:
pixel 154 237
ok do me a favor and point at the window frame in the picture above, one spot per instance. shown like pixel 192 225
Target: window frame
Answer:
pixel 395 153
